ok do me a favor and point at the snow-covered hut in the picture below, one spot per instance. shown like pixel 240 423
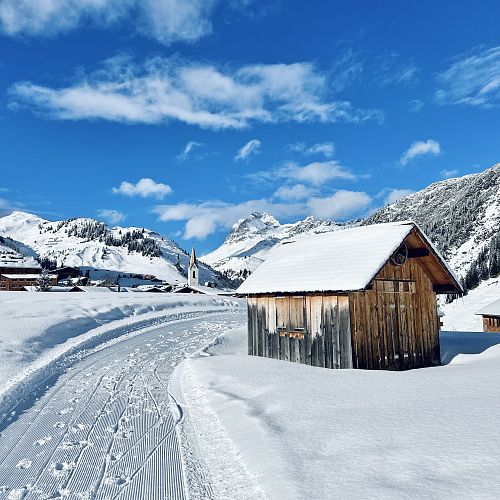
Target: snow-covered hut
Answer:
pixel 363 297
pixel 491 317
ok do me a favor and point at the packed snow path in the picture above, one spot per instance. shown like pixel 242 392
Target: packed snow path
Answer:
pixel 106 427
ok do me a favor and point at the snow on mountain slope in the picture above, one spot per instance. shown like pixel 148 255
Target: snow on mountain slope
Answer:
pixel 15 254
pixel 250 240
pixel 460 215
pixel 88 242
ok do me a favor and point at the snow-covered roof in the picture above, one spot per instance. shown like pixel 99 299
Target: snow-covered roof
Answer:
pixel 492 309
pixel 96 289
pixel 27 276
pixel 342 260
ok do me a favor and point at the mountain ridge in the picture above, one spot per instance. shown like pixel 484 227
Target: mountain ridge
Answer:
pixel 88 242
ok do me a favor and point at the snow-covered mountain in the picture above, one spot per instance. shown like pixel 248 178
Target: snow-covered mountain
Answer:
pixel 250 240
pixel 90 243
pixel 462 216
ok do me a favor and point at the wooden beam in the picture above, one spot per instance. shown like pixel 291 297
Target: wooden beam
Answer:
pixel 444 289
pixel 417 252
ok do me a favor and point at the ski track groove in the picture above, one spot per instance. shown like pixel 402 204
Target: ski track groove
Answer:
pixel 106 429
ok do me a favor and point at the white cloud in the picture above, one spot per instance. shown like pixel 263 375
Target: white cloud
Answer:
pixel 162 90
pixel 327 149
pixel 252 147
pixel 420 148
pixel 416 105
pixel 144 188
pixel 205 218
pixel 188 149
pixel 341 204
pixel 395 195
pixel 446 174
pixel 315 173
pixel 473 79
pixel 113 216
pixel 165 20
pixel 292 193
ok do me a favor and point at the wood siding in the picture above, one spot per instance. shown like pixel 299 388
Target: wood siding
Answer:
pixel 491 324
pixel 310 329
pixel 395 325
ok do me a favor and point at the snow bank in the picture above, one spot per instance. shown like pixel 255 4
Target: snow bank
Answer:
pixel 39 332
pixel 460 315
pixel 284 430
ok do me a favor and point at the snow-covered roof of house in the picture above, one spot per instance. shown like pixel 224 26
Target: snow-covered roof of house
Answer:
pixel 492 309
pixel 95 289
pixel 27 276
pixel 338 261
pixel 197 289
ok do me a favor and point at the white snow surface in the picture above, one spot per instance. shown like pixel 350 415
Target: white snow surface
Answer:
pixel 461 314
pixel 273 429
pixel 39 329
pixel 336 261
pixel 102 423
pixel 492 309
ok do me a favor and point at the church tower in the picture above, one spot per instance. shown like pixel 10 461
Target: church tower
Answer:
pixel 193 271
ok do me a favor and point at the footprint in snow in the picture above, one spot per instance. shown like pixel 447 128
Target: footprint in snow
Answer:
pixel 114 457
pixel 24 464
pixel 118 480
pixel 59 425
pixel 43 440
pixel 65 411
pixel 59 468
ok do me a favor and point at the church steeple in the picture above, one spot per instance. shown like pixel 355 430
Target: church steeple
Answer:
pixel 193 271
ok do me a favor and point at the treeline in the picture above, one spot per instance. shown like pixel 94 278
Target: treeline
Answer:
pixel 485 266
pixel 133 241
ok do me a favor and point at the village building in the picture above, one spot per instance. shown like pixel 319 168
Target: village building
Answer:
pixel 363 297
pixel 63 273
pixel 20 281
pixel 491 317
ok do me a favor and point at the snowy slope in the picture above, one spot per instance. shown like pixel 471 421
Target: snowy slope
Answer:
pixel 250 240
pixel 273 429
pixel 14 254
pixel 90 243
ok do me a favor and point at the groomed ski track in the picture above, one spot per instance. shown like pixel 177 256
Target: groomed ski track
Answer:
pixel 106 427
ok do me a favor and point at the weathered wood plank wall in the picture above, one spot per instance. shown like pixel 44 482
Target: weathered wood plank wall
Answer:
pixel 395 324
pixel 491 324
pixel 313 329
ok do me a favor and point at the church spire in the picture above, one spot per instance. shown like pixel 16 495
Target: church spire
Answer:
pixel 193 272
pixel 193 261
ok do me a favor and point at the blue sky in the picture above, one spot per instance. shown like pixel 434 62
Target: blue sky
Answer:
pixel 185 115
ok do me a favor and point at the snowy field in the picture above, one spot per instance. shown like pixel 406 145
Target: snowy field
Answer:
pixel 95 419
pixel 271 429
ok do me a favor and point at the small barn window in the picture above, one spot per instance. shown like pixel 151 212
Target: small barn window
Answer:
pixel 281 313
pixel 297 314
pixel 395 286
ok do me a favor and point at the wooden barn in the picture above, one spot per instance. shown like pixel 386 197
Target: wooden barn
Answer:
pixel 363 297
pixel 491 317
